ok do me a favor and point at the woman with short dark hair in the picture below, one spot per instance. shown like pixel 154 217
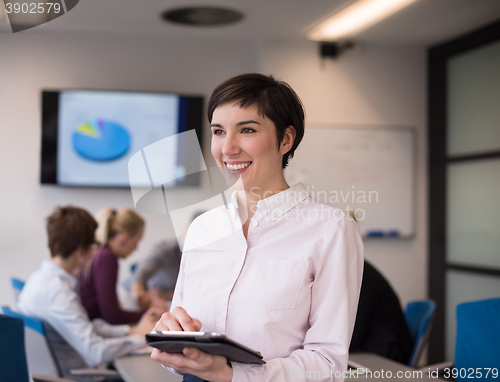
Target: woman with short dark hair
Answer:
pixel 274 99
pixel 274 269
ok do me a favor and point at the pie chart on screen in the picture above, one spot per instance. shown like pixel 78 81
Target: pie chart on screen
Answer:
pixel 101 140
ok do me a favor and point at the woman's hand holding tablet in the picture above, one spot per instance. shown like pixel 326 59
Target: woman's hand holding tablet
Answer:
pixel 209 342
pixel 207 366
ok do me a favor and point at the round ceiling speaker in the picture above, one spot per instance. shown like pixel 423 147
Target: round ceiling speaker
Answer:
pixel 202 16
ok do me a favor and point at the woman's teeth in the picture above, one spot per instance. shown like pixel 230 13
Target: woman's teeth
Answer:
pixel 238 166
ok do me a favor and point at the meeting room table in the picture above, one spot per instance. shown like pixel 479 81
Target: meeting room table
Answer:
pixel 383 369
pixel 140 368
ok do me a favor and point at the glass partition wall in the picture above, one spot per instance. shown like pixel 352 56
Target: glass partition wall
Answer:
pixel 464 178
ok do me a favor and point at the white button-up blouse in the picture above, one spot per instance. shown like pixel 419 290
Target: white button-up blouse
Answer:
pixel 290 290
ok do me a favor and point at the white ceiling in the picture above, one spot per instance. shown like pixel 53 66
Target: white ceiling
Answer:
pixel 429 22
pixel 425 22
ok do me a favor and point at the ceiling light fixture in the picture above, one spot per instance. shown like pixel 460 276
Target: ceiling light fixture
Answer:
pixel 355 18
pixel 202 16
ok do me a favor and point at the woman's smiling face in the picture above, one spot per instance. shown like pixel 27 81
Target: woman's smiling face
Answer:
pixel 245 143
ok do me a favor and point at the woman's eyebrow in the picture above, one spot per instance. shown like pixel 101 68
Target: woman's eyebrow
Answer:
pixel 238 124
pixel 247 122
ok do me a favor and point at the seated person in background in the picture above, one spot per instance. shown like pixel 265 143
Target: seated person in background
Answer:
pixel 380 324
pixel 119 231
pixel 155 277
pixel 49 294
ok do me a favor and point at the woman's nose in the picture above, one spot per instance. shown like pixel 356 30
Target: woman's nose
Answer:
pixel 231 146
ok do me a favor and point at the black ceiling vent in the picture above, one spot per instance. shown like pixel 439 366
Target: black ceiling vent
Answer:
pixel 202 16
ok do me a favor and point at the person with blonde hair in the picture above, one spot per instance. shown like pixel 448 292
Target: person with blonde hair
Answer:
pixel 119 232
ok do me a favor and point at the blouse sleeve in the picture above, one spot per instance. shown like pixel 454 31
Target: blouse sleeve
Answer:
pixel 105 271
pixel 334 300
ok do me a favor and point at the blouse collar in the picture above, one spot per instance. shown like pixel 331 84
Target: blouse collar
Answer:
pixel 278 204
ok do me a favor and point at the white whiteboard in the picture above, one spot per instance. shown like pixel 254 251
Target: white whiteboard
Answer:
pixel 369 170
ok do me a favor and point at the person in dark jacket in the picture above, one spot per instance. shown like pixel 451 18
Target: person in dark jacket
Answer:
pixel 380 325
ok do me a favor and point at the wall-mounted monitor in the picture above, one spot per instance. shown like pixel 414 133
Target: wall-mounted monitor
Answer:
pixel 88 136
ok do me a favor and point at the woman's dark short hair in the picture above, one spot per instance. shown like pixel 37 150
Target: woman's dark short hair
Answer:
pixel 70 228
pixel 275 100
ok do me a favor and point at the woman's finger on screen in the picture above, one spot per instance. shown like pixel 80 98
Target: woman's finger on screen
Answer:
pixel 167 322
pixel 183 319
pixel 177 320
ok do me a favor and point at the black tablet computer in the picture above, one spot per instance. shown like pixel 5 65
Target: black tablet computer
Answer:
pixel 210 342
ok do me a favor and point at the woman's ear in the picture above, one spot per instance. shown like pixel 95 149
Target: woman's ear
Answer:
pixel 288 139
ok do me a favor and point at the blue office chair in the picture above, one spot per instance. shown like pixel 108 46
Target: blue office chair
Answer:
pixel 13 367
pixel 478 338
pixel 419 316
pixel 17 287
pixel 12 349
pixel 50 355
pixel 39 357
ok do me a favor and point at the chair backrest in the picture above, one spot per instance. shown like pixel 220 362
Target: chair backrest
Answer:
pixel 419 316
pixel 65 357
pixel 478 339
pixel 13 366
pixel 38 353
pixel 50 355
pixel 17 287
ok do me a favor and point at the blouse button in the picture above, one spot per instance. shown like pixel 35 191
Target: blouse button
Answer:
pixel 255 223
